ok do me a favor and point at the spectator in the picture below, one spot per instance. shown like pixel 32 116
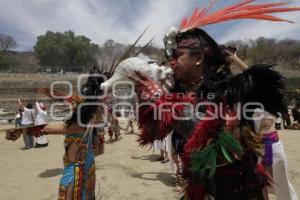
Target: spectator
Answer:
pixel 41 118
pixel 27 120
pixel 18 118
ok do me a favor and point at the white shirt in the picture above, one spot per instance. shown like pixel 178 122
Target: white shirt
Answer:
pixel 41 117
pixel 27 117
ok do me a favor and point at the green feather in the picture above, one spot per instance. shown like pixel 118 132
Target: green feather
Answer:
pixel 199 158
pixel 213 163
pixel 226 154
pixel 230 142
pixel 206 159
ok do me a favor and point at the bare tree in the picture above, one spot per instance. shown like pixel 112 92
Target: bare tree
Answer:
pixel 7 42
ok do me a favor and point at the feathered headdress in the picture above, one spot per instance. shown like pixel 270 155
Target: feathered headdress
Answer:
pixel 243 10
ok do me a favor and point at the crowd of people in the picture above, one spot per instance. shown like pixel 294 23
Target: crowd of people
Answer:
pixel 28 116
pixel 218 154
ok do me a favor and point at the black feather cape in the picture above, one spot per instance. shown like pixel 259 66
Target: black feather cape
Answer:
pixel 260 84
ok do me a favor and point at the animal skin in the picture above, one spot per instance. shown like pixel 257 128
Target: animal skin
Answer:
pixel 129 66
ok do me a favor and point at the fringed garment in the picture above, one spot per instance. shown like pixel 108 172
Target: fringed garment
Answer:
pixel 79 173
pixel 220 155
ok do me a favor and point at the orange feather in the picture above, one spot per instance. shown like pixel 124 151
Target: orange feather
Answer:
pixel 251 7
pixel 268 17
pixel 242 10
pixel 183 23
pixel 244 14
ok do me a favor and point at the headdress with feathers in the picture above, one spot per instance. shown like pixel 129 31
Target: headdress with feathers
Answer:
pixel 242 10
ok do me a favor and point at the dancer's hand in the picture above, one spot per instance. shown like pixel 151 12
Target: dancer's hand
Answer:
pixel 233 58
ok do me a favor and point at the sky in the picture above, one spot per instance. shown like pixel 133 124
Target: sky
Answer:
pixel 124 20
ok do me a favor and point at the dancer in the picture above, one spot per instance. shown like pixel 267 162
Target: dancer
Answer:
pixel 222 148
pixel 78 180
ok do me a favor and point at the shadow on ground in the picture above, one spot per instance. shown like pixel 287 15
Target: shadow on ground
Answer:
pixel 51 173
pixel 165 178
pixel 152 157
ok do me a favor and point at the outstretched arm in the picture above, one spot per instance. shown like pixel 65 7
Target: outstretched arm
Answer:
pixel 37 104
pixel 59 129
pixel 21 103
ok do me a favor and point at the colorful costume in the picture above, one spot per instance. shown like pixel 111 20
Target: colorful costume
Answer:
pixel 220 156
pixel 222 148
pixel 79 173
pixel 78 180
pixel 274 156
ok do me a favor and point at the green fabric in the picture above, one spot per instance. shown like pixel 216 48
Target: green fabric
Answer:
pixel 206 159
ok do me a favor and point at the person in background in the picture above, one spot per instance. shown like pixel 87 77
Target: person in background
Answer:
pixel 41 118
pixel 161 146
pixel 274 158
pixel 130 119
pixel 18 118
pixel 113 128
pixel 296 111
pixel 27 120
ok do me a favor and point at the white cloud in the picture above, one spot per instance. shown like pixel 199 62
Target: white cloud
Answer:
pixel 121 20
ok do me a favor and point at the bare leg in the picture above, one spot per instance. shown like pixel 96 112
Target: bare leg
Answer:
pixel 162 155
pixel 166 158
pixel 265 193
pixel 176 161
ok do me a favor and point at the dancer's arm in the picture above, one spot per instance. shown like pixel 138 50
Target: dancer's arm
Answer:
pixel 59 129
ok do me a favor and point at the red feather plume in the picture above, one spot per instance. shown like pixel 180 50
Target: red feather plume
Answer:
pixel 242 10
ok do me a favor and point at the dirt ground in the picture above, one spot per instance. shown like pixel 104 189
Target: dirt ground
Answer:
pixel 124 171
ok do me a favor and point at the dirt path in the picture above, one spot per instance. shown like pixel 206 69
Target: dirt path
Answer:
pixel 125 171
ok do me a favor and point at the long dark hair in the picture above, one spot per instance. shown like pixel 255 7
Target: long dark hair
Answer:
pixel 90 88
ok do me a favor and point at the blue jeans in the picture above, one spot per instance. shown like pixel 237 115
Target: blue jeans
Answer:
pixel 28 140
pixel 18 122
